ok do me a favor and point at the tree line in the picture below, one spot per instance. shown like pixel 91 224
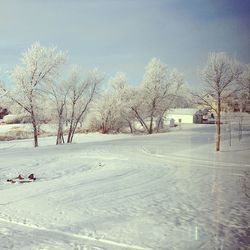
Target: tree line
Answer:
pixel 41 89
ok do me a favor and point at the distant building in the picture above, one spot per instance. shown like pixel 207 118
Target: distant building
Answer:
pixel 190 115
pixel 183 115
pixel 198 117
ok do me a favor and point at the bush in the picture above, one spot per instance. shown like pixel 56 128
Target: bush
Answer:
pixel 16 119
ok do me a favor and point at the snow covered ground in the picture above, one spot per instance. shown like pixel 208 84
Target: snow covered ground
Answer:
pixel 163 191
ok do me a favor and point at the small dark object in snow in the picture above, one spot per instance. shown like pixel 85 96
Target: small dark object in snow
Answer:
pixel 13 180
pixel 21 179
pixel 32 177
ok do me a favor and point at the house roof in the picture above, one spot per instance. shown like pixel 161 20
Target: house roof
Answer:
pixel 183 111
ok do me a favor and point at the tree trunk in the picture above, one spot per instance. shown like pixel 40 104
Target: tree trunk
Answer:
pixel 105 124
pixel 150 131
pixel 130 126
pixel 73 130
pixel 70 134
pixel 218 125
pixel 35 131
pixel 105 128
pixel 60 138
pixel 75 120
pixel 144 125
pixel 161 120
pixel 102 127
pixel 69 139
pixel 158 124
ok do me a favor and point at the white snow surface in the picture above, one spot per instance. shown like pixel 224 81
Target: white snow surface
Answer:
pixel 162 191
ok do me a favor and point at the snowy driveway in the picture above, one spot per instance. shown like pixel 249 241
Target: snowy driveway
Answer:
pixel 164 191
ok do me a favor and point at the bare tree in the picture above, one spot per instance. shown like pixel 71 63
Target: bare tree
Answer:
pixel 80 96
pixel 58 93
pixel 220 76
pixel 39 64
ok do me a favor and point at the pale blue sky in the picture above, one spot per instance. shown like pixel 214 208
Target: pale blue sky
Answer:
pixel 123 35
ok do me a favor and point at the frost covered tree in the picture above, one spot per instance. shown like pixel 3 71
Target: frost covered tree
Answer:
pixel 245 79
pixel 39 64
pixel 156 95
pixel 105 113
pixel 122 92
pixel 3 110
pixel 58 93
pixel 220 76
pixel 2 94
pixel 184 98
pixel 80 95
pixel 110 111
pixel 244 86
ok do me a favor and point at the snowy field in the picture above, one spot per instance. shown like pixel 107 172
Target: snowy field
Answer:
pixel 165 191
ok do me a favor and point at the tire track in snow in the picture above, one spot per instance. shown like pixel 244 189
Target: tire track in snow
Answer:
pixel 100 242
pixel 197 162
pixel 218 163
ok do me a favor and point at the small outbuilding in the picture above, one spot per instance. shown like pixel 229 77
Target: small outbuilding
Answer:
pixel 183 115
pixel 198 117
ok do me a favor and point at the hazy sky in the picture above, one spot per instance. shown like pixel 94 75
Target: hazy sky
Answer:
pixel 123 35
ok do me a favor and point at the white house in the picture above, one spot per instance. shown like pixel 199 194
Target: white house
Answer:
pixel 185 115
